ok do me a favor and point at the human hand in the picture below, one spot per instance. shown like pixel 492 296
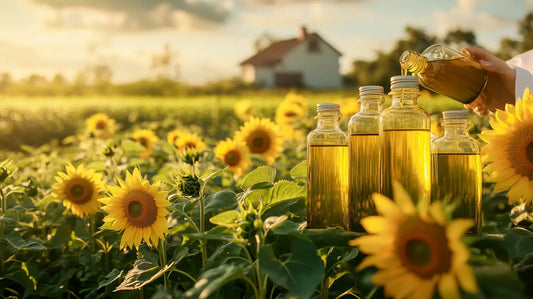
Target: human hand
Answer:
pixel 500 87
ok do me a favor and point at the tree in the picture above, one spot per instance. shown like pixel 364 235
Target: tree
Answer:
pixel 264 41
pixel 525 28
pixel 508 48
pixel 459 39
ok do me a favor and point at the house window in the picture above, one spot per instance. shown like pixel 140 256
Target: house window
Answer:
pixel 312 46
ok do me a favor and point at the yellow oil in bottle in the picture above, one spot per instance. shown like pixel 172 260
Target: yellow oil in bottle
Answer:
pixel 458 183
pixel 364 177
pixel 406 156
pixel 459 78
pixel 327 186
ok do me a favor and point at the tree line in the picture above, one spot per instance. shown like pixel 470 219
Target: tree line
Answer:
pixel 96 80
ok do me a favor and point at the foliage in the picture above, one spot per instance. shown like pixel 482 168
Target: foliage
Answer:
pixel 233 237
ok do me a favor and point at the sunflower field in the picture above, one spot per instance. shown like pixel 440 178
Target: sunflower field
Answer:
pixel 206 198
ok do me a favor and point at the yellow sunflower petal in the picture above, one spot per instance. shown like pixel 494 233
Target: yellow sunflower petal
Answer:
pixel 505 183
pixel 467 279
pixel 425 290
pixel 448 288
pixel 403 199
pixel 386 206
pixel 458 228
pixel 374 224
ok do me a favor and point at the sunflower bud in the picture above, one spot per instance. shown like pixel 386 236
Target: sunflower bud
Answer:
pixel 189 185
pixel 3 174
pixel 109 151
pixel 189 156
pixel 30 188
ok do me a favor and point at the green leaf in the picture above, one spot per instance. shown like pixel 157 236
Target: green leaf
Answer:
pixel 43 203
pixel 339 255
pixel 109 278
pixel 300 270
pixel 261 174
pixel 213 279
pixel 97 166
pixel 330 236
pixel 15 240
pixel 299 172
pixel 217 233
pixel 131 148
pixel 285 190
pixel 61 236
pixel 256 196
pixel 220 201
pixel 225 219
pixel 519 242
pixel 498 281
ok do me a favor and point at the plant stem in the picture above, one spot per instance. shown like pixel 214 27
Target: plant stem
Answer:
pixel 163 259
pixel 203 243
pixel 185 274
pixel 260 282
pixel 324 287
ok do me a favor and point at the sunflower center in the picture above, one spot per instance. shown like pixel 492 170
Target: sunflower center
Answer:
pixel 135 208
pixel 258 142
pixel 232 158
pixel 143 141
pixel 140 208
pixel 521 155
pixel 190 145
pixel 418 252
pixel 423 247
pixel 290 114
pixel 100 125
pixel 79 190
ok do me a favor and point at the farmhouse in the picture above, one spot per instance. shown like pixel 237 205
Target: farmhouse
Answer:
pixel 304 61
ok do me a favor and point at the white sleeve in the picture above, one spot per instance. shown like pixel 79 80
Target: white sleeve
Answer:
pixel 523 79
pixel 523 65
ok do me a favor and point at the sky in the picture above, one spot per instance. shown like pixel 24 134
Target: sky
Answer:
pixel 207 39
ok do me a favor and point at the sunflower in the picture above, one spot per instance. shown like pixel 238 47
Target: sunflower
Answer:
pixel 244 110
pixel 288 113
pixel 100 125
pixel 509 150
pixel 297 99
pixel 173 136
pixel 235 154
pixel 138 208
pixel 78 189
pixel 416 250
pixel 348 106
pixel 147 139
pixel 262 137
pixel 190 141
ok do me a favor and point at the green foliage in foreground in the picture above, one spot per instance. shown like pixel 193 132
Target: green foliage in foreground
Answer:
pixel 239 238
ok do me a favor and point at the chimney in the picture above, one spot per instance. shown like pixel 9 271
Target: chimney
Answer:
pixel 303 33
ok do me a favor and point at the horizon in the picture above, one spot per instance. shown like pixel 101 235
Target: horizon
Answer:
pixel 206 40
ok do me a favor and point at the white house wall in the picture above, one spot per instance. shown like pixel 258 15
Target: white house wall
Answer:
pixel 264 76
pixel 320 69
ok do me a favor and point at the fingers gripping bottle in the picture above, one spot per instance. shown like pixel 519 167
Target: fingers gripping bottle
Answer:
pixel 458 168
pixel 446 71
pixel 327 170
pixel 405 142
pixel 364 147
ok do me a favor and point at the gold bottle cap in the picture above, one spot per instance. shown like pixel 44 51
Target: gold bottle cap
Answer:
pixel 370 89
pixel 327 107
pixel 455 114
pixel 404 82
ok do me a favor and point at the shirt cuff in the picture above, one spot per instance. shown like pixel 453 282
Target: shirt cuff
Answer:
pixel 524 79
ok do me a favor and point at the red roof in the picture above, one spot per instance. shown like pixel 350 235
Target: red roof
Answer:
pixel 273 53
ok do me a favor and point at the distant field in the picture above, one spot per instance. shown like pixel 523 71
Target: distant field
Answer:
pixel 37 120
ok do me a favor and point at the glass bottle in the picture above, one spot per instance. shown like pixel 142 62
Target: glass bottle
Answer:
pixel 458 168
pixel 364 169
pixel 446 71
pixel 404 133
pixel 327 170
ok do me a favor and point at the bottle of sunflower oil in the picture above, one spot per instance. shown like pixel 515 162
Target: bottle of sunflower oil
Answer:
pixel 405 142
pixel 446 71
pixel 458 168
pixel 327 170
pixel 364 170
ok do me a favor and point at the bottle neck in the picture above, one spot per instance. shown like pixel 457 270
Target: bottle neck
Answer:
pixel 328 120
pixel 371 104
pixel 455 127
pixel 404 96
pixel 413 62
